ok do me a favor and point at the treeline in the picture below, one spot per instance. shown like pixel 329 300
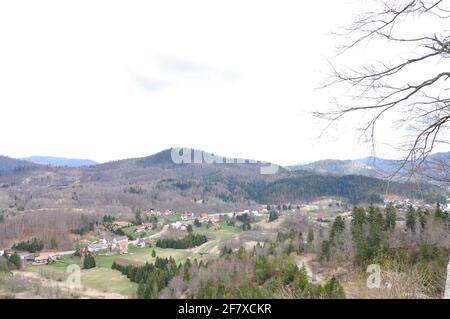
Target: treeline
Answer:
pixel 374 237
pixel 31 246
pixel 152 278
pixel 191 240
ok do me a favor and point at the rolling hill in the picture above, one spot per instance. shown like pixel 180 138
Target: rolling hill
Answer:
pixel 157 182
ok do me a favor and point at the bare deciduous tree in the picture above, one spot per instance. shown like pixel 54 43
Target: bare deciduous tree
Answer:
pixel 406 88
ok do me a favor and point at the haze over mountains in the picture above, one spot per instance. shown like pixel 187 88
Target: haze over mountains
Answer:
pixel 373 166
pixel 59 161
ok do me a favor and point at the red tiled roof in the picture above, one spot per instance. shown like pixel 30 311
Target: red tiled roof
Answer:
pixel 42 256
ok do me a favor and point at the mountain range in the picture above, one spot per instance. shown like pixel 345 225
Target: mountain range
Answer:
pixel 434 166
pixel 59 161
pixel 157 182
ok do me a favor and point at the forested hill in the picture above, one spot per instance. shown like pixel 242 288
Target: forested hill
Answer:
pixel 355 188
pixel 157 182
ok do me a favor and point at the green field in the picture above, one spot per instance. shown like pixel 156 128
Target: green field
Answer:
pixel 103 278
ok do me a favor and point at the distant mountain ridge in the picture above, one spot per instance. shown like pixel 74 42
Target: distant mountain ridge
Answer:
pixel 372 166
pixel 59 161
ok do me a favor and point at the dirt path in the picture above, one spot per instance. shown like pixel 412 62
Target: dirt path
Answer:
pixel 83 292
pixel 307 261
pixel 159 234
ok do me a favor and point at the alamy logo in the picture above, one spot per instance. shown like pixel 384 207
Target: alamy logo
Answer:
pixel 188 155
pixel 374 279
pixel 74 278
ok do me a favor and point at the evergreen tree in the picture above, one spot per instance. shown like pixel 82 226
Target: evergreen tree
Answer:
pixel 376 227
pixel 359 218
pixel 391 216
pixel 89 261
pixel 337 228
pixel 273 215
pixel 411 218
pixel 15 261
pixel 186 269
pixel 333 289
pixel 326 250
pixel 310 236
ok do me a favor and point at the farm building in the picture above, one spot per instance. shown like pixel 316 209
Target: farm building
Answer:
pixel 121 242
pixel 42 258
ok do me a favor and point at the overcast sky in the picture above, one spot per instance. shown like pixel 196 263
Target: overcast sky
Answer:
pixel 108 80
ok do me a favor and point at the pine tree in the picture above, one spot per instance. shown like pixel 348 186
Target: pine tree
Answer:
pixel 15 261
pixel 411 218
pixel 89 261
pixel 391 216
pixel 337 228
pixel 333 289
pixel 186 268
pixel 310 236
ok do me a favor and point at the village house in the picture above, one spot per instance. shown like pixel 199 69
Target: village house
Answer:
pixel 168 212
pixel 148 225
pixel 187 216
pixel 121 242
pixel 346 215
pixel 215 218
pixel 42 258
pixel 178 225
pixel 28 257
pixel 144 226
pixel 139 229
pixel 99 245
pixel 150 212
pixel 140 243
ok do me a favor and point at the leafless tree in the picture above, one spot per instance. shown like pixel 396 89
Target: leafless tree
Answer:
pixel 412 90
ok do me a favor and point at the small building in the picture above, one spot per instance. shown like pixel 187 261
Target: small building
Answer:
pixel 140 243
pixel 121 242
pixel 28 258
pixel 215 218
pixel 148 225
pixel 187 216
pixel 42 258
pixel 139 229
pixel 2 252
